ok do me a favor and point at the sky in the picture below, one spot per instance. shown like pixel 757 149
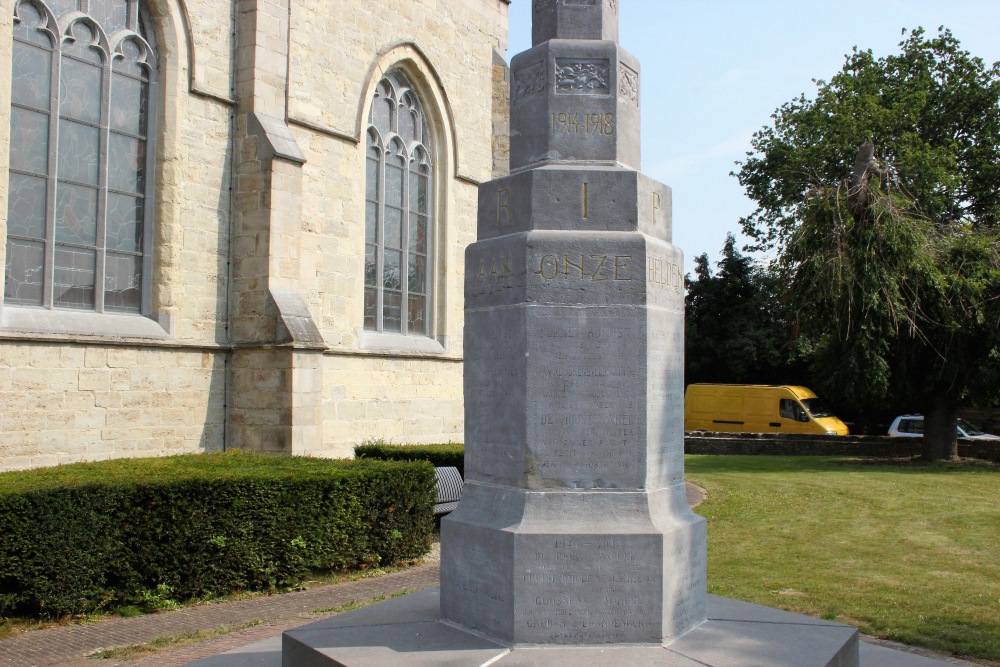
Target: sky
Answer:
pixel 713 72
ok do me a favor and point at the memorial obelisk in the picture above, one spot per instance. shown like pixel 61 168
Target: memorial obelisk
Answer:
pixel 574 527
pixel 573 543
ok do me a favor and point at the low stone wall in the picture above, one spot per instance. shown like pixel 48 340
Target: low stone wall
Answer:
pixel 779 444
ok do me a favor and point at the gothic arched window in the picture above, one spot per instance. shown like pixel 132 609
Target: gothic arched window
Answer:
pixel 79 203
pixel 398 217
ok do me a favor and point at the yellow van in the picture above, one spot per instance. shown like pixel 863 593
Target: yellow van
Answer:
pixel 755 408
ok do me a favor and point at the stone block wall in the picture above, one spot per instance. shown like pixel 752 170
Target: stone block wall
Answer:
pixel 77 386
pixel 65 403
pixel 456 39
pixel 396 399
pixel 255 337
pixel 449 52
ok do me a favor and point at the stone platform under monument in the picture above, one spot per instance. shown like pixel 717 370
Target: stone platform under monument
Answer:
pixel 408 632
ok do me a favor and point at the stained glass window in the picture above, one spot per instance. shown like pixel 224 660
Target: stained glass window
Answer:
pixel 78 212
pixel 398 212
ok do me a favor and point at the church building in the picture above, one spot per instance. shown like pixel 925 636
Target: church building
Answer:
pixel 239 225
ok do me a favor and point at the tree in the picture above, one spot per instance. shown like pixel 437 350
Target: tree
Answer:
pixel 880 197
pixel 734 330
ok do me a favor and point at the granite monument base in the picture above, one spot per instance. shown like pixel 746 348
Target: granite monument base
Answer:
pixel 408 632
pixel 565 568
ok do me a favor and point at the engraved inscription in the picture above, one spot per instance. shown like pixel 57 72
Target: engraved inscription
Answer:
pixel 584 76
pixel 586 203
pixel 528 82
pixel 656 205
pixel 494 273
pixel 585 123
pixel 503 208
pixel 592 425
pixel 589 587
pixel 628 83
pixel 477 587
pixel 595 268
pixel 665 274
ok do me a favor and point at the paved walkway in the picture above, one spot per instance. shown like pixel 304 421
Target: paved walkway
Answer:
pixel 69 645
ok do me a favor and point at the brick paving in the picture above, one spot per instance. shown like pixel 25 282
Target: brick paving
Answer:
pixel 69 646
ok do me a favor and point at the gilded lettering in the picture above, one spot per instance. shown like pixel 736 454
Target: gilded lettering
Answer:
pixel 554 262
pixel 603 258
pixel 503 207
pixel 596 268
pixel 567 263
pixel 594 124
pixel 621 265
pixel 585 202
pixel 670 275
pixel 496 275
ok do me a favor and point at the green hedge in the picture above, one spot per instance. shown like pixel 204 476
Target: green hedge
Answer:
pixel 85 537
pixel 449 454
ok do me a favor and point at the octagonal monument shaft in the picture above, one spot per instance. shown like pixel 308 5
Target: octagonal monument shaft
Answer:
pixel 574 526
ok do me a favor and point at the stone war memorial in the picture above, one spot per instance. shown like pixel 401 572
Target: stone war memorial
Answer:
pixel 573 543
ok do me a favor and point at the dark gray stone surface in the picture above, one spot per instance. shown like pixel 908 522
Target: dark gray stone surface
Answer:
pixel 574 527
pixel 574 19
pixel 574 567
pixel 881 656
pixel 567 105
pixel 403 632
pixel 578 198
pixel 265 653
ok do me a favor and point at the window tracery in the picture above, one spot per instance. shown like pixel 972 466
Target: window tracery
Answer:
pixel 398 214
pixel 79 203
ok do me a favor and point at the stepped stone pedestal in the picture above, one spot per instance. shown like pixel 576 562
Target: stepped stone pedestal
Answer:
pixel 574 527
pixel 573 542
pixel 408 632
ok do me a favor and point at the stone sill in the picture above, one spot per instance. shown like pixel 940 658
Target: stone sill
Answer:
pixel 397 346
pixel 61 324
pixel 38 325
pixel 85 327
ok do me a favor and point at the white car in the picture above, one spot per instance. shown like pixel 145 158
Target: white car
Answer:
pixel 912 426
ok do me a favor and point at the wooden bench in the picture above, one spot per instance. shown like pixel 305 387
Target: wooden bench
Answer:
pixel 449 489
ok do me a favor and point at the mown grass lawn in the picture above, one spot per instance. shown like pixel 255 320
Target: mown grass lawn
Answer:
pixel 903 551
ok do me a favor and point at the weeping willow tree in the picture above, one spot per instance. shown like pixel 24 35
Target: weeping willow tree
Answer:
pixel 900 309
pixel 881 199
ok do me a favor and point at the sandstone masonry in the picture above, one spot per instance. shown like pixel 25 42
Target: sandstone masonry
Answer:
pixel 256 336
